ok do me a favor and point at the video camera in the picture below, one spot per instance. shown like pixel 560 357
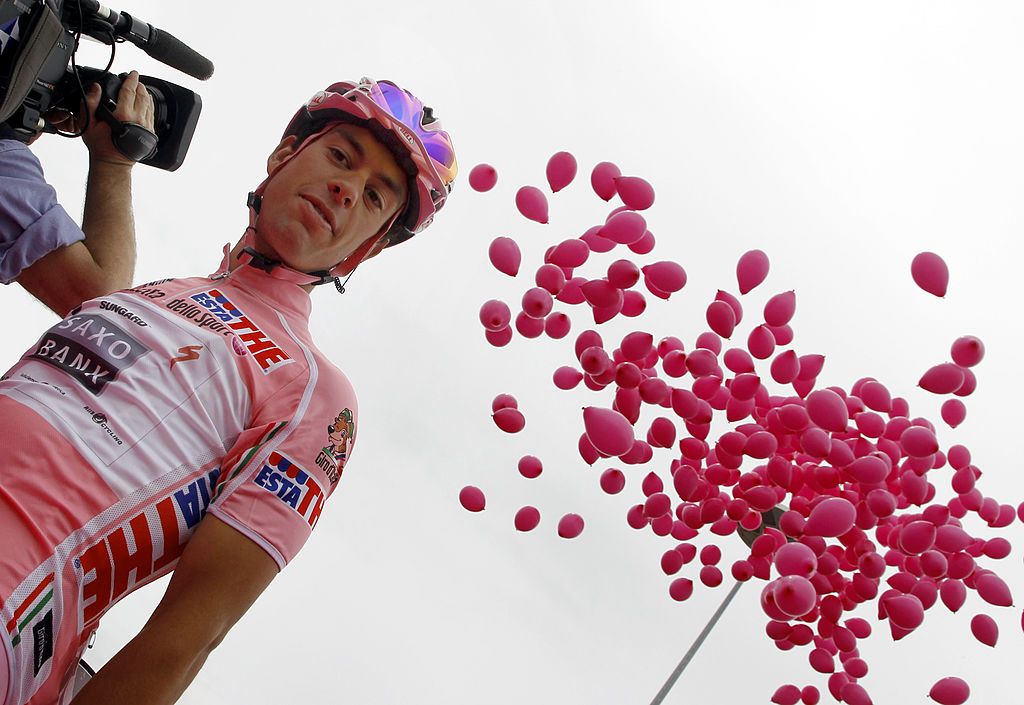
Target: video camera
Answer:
pixel 38 74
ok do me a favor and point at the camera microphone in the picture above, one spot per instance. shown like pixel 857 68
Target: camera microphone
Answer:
pixel 162 46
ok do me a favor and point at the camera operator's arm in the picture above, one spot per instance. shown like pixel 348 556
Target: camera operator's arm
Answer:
pixel 105 261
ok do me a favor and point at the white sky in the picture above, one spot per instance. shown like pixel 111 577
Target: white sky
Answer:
pixel 842 139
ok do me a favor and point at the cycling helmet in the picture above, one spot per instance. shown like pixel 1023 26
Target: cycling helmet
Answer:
pixel 403 124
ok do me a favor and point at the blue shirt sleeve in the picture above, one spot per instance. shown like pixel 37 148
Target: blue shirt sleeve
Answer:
pixel 32 223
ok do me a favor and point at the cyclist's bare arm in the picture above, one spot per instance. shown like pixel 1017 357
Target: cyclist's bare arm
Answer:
pixel 105 261
pixel 219 576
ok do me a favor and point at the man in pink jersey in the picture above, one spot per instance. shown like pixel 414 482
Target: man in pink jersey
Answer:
pixel 191 425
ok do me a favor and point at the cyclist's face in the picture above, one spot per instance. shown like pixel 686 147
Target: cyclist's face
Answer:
pixel 333 196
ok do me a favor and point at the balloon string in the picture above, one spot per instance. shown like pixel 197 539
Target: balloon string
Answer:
pixel 696 645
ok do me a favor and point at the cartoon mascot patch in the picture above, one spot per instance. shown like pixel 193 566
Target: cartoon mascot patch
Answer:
pixel 340 437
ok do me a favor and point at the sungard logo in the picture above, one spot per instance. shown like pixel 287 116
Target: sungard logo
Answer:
pixel 262 349
pixel 91 349
pixel 144 544
pixel 293 486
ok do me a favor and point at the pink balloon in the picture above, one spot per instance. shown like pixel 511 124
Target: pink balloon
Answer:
pixel 786 695
pixel 572 292
pixel 495 315
pixel 671 562
pixel 831 517
pixel 482 177
pixel 637 346
pixel 761 343
pixel 721 318
pixel 751 270
pixel 527 518
pixel 985 629
pixel 967 351
pixel 828 410
pixel 794 595
pixel 733 302
pixel 623 274
pixel 537 302
pixel 635 192
pixel 609 431
pixel 876 396
pixel 509 420
pixel 532 203
pixel 644 245
pixel 953 412
pixel 594 240
pixel 528 326
pixel 919 442
pixel 869 470
pixel 993 590
pixel 570 526
pixel 505 255
pixel 602 179
pixel 612 481
pixel 930 273
pixel 595 361
pixel 668 277
pixel 504 401
pixel 917 537
pixel 530 467
pixel 810 366
pixel 567 377
pixel 950 691
pixel 785 367
pixel 499 338
pixel 570 253
pixel 625 228
pixel 943 379
pixel 680 589
pixel 854 694
pixel 780 309
pixel 599 293
pixel 809 695
pixel 969 385
pixel 904 611
pixel 796 559
pixel 663 433
pixel 561 170
pixel 472 498
pixel 633 303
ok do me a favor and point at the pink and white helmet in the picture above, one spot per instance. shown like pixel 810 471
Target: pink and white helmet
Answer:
pixel 403 124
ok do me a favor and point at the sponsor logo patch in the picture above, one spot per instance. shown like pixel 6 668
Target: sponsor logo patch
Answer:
pixel 293 486
pixel 267 354
pixel 90 349
pixel 340 437
pixel 42 633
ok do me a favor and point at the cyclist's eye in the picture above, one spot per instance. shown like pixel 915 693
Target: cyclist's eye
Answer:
pixel 339 155
pixel 376 199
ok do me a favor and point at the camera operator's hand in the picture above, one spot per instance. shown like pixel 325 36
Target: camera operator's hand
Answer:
pixel 134 104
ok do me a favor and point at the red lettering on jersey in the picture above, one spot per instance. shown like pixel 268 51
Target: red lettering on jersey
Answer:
pixel 173 547
pixel 271 357
pixel 256 341
pixel 319 507
pixel 243 323
pixel 98 587
pixel 124 561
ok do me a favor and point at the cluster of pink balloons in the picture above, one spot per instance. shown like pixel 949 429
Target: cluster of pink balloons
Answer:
pixel 836 463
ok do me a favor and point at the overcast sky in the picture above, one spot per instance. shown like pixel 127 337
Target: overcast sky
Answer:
pixel 841 139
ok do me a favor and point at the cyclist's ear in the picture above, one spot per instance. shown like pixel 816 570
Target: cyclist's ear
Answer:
pixel 284 150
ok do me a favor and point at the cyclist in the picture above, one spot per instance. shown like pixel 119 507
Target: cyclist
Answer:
pixel 185 424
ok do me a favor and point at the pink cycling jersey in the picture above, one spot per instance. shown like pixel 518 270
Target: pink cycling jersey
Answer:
pixel 126 423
